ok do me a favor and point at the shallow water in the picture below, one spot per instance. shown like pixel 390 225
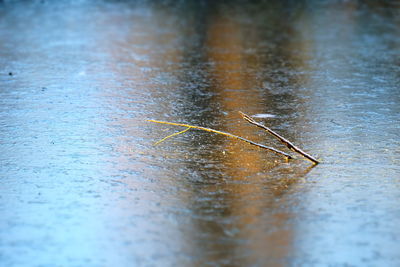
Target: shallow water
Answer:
pixel 83 185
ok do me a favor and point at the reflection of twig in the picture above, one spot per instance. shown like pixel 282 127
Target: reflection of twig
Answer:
pixel 284 183
pixel 286 142
pixel 306 171
pixel 219 132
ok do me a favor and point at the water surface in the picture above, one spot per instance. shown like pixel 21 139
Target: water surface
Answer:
pixel 81 183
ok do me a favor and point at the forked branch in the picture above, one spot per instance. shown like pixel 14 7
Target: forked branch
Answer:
pixel 287 156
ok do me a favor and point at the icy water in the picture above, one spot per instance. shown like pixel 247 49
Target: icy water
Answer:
pixel 81 183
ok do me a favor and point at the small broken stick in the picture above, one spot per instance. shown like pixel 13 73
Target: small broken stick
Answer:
pixel 283 140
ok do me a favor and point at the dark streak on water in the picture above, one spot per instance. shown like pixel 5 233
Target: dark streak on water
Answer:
pixel 82 185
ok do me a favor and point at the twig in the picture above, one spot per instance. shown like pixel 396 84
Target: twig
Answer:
pixel 172 135
pixel 286 142
pixel 223 133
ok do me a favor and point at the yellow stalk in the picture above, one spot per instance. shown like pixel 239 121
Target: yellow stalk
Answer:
pixel 287 156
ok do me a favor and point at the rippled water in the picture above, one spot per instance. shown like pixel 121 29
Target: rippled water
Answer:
pixel 81 183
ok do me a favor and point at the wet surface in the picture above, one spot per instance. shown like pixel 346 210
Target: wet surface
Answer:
pixel 83 185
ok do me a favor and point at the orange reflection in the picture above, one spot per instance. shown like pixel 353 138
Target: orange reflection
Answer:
pixel 236 87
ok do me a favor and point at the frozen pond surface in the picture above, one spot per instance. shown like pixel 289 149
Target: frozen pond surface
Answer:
pixel 81 183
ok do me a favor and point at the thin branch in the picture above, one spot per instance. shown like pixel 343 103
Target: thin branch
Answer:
pixel 172 135
pixel 286 142
pixel 224 133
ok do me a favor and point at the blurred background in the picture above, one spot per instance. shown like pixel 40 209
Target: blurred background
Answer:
pixel 81 183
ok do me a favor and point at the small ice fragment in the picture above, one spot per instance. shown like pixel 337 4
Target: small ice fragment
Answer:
pixel 264 115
